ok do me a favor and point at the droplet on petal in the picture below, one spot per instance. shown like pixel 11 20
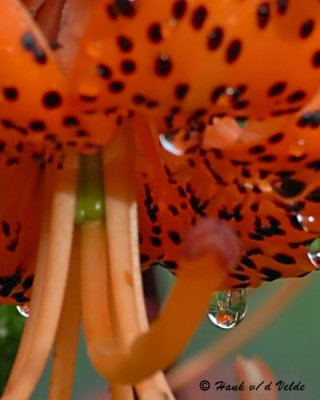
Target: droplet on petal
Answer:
pixel 228 308
pixel 167 143
pixel 309 223
pixel 24 310
pixel 314 253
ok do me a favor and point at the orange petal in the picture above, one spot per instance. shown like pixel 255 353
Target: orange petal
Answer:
pixel 187 56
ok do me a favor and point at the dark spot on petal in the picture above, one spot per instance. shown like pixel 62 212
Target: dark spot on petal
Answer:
pixel 282 6
pixel 271 274
pixel 154 33
pixel 179 9
pixel 124 43
pixel 233 51
pixel 215 38
pixel 263 15
pixel 198 17
pixel 284 259
pixel 163 65
pixel 316 59
pixel 181 91
pixel 175 237
pixel 10 93
pixel 51 99
pixel 103 71
pixel 306 28
pixel 314 196
pixel 116 86
pixel 128 66
pixel 277 88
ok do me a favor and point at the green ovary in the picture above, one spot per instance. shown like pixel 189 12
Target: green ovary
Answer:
pixel 90 197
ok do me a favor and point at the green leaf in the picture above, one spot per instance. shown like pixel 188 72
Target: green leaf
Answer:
pixel 11 327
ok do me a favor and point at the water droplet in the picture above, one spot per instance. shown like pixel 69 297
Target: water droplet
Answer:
pixel 309 223
pixel 242 123
pixel 24 309
pixel 230 91
pixel 314 253
pixel 166 141
pixel 228 308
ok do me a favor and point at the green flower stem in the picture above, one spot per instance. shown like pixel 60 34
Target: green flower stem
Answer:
pixel 90 198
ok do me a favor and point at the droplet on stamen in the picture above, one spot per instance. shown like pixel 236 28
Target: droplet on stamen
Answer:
pixel 314 253
pixel 228 308
pixel 24 310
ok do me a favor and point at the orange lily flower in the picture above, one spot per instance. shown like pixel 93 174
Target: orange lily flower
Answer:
pixel 111 76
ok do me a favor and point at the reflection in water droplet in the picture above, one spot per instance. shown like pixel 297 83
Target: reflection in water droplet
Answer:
pixel 309 223
pixel 24 310
pixel 241 122
pixel 314 253
pixel 167 143
pixel 228 308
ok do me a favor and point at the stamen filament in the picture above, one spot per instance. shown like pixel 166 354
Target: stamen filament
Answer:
pixel 49 285
pixel 124 265
pixel 170 333
pixel 66 347
pixel 94 286
pixel 95 306
pixel 121 227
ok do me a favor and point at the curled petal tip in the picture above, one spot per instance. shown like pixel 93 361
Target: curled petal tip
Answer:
pixel 212 235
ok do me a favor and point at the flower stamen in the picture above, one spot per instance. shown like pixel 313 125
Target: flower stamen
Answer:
pixel 66 347
pixel 50 282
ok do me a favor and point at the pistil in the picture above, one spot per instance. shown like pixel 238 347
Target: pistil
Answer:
pixel 135 353
pixel 90 197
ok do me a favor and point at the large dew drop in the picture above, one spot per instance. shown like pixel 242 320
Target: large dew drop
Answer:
pixel 314 253
pixel 24 310
pixel 228 308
